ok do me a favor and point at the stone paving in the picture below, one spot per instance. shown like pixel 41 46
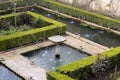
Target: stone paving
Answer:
pixel 84 45
pixel 30 71
pixel 23 67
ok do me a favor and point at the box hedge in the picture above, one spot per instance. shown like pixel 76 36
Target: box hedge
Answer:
pixel 52 75
pixel 26 37
pixel 86 15
pixel 6 5
pixel 82 70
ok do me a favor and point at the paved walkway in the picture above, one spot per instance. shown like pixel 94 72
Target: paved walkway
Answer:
pixel 25 49
pixel 22 66
pixel 84 45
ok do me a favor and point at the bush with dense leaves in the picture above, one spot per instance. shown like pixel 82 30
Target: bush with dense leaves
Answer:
pixel 83 14
pixel 29 36
pixel 82 70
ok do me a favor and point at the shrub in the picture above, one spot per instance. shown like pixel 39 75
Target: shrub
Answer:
pixel 24 19
pixel 82 69
pixel 24 28
pixel 86 15
pixel 38 22
pixel 78 70
pixel 26 37
pixel 52 75
pixel 9 4
pixel 11 30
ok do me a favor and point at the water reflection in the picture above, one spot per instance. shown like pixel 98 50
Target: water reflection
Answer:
pixel 49 62
pixel 5 74
pixel 48 15
pixel 96 36
pixel 72 22
pixel 87 35
pixel 108 39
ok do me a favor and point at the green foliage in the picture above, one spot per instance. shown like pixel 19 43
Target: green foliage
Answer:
pixel 84 24
pixel 24 28
pixel 11 30
pixel 2 32
pixel 52 75
pixel 93 27
pixel 113 57
pixel 99 65
pixel 39 22
pixel 19 3
pixel 86 15
pixel 24 19
pixel 26 37
pixel 24 22
pixel 82 70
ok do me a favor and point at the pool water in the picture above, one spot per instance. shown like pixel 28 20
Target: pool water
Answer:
pixel 6 74
pixel 103 37
pixel 45 57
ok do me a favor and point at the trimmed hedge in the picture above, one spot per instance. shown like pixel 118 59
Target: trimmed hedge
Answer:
pixel 8 5
pixel 77 12
pixel 52 75
pixel 118 78
pixel 86 15
pixel 33 35
pixel 82 70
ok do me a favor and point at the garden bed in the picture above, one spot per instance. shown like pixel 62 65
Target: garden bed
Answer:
pixel 23 22
pixel 26 37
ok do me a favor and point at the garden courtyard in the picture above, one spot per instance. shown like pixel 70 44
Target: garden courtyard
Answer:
pixel 51 40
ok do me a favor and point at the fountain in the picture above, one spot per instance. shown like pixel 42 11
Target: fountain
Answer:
pixel 72 22
pixel 57 52
pixel 32 9
pixel 54 56
pixel 48 15
pixel 57 39
pixel 45 57
pixel 87 35
pixel 98 36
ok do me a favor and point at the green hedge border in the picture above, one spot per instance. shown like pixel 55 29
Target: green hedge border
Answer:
pixel 86 15
pixel 8 4
pixel 77 12
pixel 26 37
pixel 52 75
pixel 82 70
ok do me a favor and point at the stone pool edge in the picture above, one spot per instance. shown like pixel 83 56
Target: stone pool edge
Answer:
pixel 22 65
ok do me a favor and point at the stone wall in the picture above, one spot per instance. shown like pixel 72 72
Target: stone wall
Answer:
pixel 107 7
